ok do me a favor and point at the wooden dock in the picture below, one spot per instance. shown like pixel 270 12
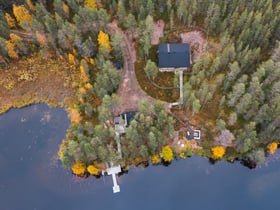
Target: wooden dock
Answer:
pixel 113 171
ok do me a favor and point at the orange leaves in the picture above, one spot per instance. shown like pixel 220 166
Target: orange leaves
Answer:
pixel 167 154
pixel 74 116
pixel 79 168
pixel 88 86
pixel 65 8
pixel 272 147
pixel 10 20
pixel 155 159
pixel 92 170
pixel 10 46
pixel 90 4
pixel 21 14
pixel 82 90
pixel 103 41
pixel 91 61
pixel 30 5
pixel 218 151
pixel 15 38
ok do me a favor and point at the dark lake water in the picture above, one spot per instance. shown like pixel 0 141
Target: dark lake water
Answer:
pixel 32 177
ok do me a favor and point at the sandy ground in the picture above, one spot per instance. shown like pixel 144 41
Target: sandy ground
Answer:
pixel 129 91
pixel 196 41
pixel 158 32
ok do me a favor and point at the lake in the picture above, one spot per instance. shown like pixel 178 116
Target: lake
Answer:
pixel 32 177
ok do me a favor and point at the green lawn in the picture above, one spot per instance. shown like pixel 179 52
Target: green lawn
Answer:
pixel 163 80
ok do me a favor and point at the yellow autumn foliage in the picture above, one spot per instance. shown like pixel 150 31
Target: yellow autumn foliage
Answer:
pixel 79 168
pixel 218 151
pixel 10 47
pixel 74 116
pixel 71 58
pixel 10 20
pixel 84 76
pixel 15 38
pixel 88 86
pixel 60 153
pixel 272 147
pixel 61 147
pixel 92 170
pixel 103 41
pixel 91 61
pixel 82 90
pixel 167 154
pixel 155 159
pixel 75 52
pixel 82 70
pixel 21 14
pixel 90 4
pixel 183 155
pixel 30 5
pixel 81 100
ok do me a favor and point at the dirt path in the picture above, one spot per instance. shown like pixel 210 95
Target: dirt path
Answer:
pixel 129 90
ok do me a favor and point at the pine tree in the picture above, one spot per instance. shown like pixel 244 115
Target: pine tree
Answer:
pixel 118 45
pixel 121 11
pixel 151 69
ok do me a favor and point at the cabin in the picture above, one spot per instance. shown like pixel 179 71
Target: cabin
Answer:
pixel 122 121
pixel 173 56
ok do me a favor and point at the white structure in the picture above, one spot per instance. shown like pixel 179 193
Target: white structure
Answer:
pixel 193 134
pixel 113 171
pixel 181 75
pixel 181 86
pixel 196 134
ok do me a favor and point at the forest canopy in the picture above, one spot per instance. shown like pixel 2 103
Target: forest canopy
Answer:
pixel 240 76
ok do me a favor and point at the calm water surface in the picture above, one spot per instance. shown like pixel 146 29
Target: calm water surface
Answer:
pixel 32 177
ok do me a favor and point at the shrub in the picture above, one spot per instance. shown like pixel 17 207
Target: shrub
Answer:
pixel 218 151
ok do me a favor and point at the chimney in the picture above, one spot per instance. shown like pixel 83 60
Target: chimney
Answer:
pixel 168 48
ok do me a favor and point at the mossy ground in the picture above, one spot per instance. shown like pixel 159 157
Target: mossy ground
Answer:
pixel 163 79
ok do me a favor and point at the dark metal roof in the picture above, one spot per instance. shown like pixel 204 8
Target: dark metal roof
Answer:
pixel 173 55
pixel 130 117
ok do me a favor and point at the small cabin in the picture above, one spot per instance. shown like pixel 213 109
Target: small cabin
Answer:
pixel 173 56
pixel 122 121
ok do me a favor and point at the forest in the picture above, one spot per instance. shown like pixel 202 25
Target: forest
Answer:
pixel 232 92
